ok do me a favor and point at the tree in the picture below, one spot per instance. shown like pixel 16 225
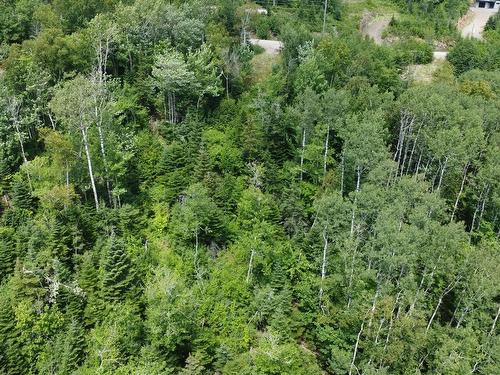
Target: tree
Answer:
pixel 73 105
pixel 172 77
pixel 21 195
pixel 7 253
pixel 466 55
pixel 119 280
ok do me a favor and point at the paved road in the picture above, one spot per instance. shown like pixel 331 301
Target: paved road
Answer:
pixel 272 47
pixel 478 19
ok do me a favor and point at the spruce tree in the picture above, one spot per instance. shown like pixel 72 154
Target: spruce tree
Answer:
pixel 73 348
pixel 87 277
pixel 7 254
pixel 21 195
pixel 119 278
pixel 5 174
pixel 11 358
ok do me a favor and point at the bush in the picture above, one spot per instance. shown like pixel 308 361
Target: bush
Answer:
pixel 262 27
pixel 493 23
pixel 413 52
pixel 468 54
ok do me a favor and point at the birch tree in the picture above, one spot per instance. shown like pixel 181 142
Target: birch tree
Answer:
pixel 73 105
pixel 172 77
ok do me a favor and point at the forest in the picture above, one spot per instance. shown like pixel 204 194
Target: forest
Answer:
pixel 177 199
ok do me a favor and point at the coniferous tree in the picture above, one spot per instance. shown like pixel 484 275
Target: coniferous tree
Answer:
pixel 21 195
pixel 73 348
pixel 12 361
pixel 7 253
pixel 119 276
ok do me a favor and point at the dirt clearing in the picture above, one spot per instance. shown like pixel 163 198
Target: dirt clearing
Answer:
pixel 374 27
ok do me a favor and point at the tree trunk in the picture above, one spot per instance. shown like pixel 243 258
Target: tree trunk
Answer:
pixel 480 203
pixel 372 311
pixel 459 192
pixel 52 123
pixel 483 205
pixel 105 163
pixel 391 320
pixel 89 164
pixel 418 164
pixel 447 290
pixel 325 156
pixel 171 108
pixel 412 152
pixel 493 326
pixel 342 175
pixel 323 265
pixel 355 352
pixel 382 320
pixel 358 182
pixel 250 265
pixel 427 167
pixel 324 16
pixel 67 174
pixel 443 168
pixel 196 249
pixel 351 277
pixel 20 138
pixel 302 153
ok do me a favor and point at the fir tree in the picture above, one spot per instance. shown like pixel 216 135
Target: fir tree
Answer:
pixel 87 277
pixel 21 195
pixel 11 359
pixel 119 279
pixel 73 349
pixel 7 254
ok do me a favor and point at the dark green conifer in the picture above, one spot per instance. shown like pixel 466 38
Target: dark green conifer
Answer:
pixel 73 348
pixel 7 253
pixel 119 278
pixel 21 195
pixel 11 358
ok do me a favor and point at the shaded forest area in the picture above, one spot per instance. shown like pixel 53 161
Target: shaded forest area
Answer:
pixel 171 204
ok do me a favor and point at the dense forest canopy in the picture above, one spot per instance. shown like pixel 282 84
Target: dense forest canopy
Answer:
pixel 177 200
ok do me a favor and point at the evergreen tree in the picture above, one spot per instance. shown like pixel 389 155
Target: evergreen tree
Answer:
pixel 73 349
pixel 119 279
pixel 21 195
pixel 12 361
pixel 7 253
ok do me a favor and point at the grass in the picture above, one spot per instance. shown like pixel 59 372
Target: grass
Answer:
pixel 263 65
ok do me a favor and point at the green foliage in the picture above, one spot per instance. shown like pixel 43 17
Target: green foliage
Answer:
pixel 167 209
pixel 468 54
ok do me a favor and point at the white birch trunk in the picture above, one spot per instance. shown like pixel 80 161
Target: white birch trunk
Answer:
pixel 89 164
pixel 324 16
pixel 455 206
pixel 447 290
pixel 355 352
pixel 250 265
pixel 358 182
pixel 493 326
pixel 443 168
pixel 323 265
pixel 325 155
pixel 302 153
